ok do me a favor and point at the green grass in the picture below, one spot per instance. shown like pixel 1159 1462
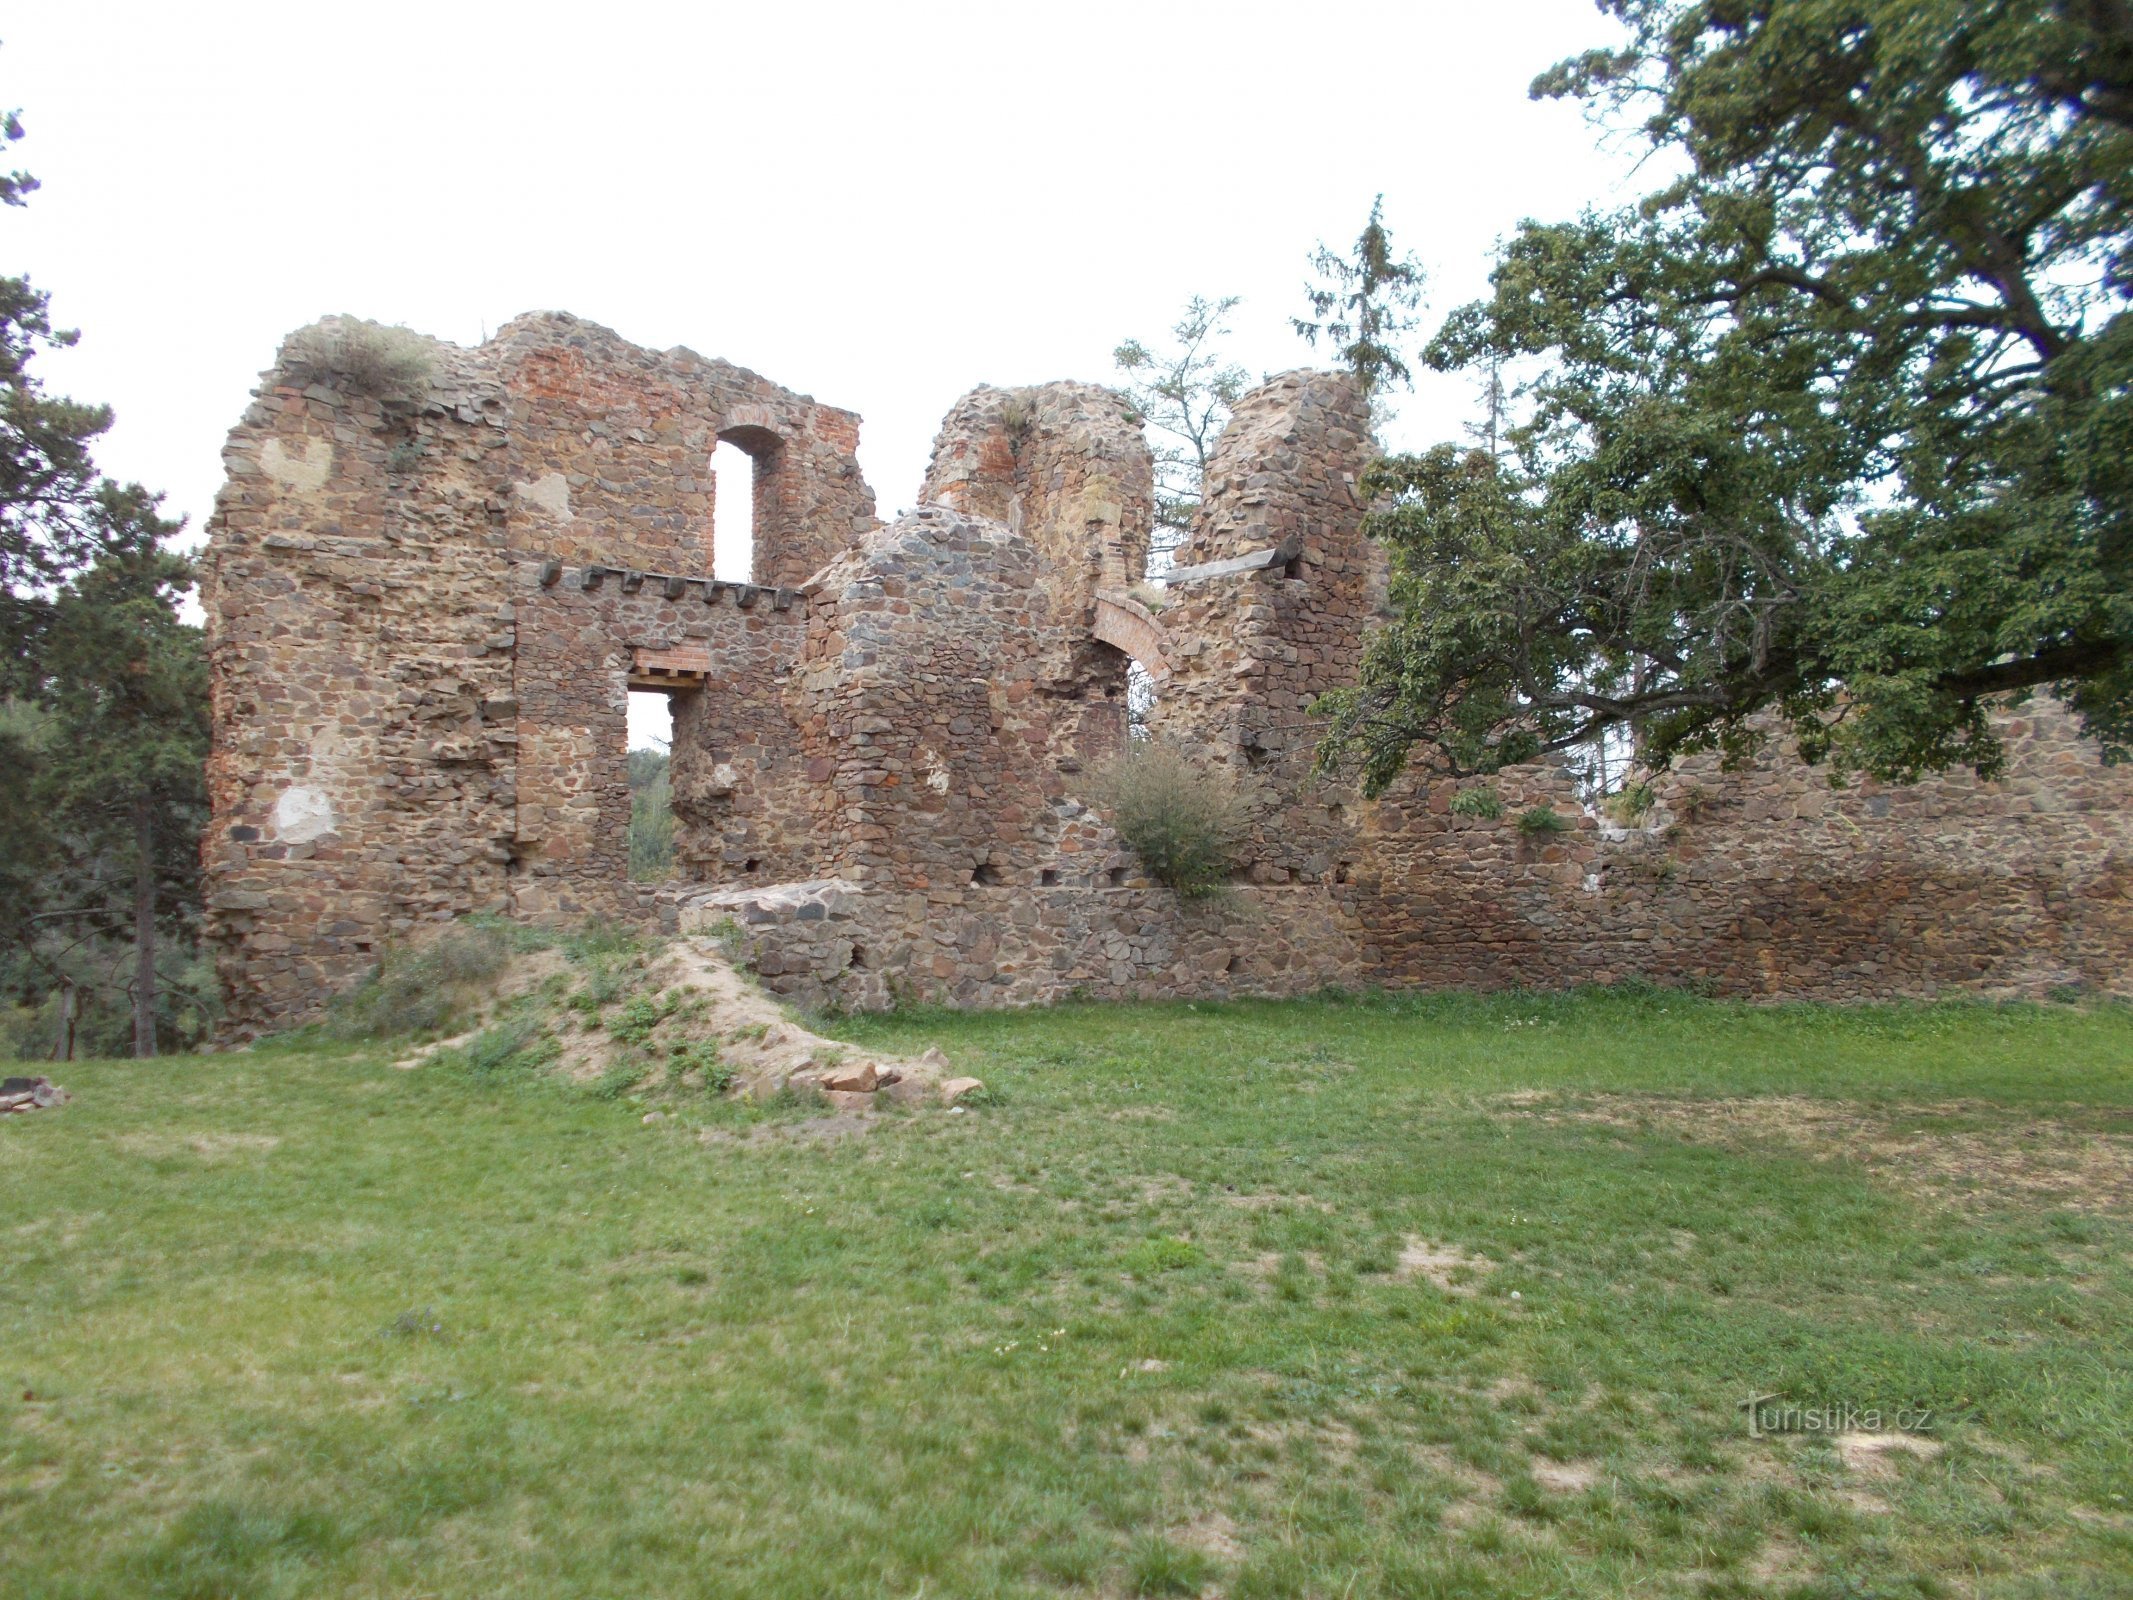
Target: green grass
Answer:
pixel 1164 1317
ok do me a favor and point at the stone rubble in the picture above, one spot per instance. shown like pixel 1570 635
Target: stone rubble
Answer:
pixel 23 1095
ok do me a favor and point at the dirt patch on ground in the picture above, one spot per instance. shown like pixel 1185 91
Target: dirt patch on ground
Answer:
pixel 1955 1150
pixel 1564 1477
pixel 1211 1533
pixel 1450 1268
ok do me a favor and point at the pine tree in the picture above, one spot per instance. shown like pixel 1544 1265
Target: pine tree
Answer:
pixel 1365 304
pixel 120 779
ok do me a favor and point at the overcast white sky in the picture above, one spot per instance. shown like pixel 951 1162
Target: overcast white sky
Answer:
pixel 880 205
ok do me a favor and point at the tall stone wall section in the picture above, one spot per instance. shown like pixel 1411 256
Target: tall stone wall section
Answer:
pixel 424 615
pixel 1271 595
pixel 1065 467
pixel 356 590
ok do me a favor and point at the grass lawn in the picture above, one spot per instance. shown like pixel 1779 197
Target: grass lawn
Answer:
pixel 1429 1297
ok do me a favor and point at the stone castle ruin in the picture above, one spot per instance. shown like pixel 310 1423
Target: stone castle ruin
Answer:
pixel 426 612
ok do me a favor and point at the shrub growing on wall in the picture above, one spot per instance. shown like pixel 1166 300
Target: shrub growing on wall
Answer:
pixel 1541 822
pixel 368 357
pixel 1479 802
pixel 1181 818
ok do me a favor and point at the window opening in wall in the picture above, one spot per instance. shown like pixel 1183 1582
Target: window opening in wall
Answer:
pixel 1140 699
pixel 732 514
pixel 986 872
pixel 651 732
pixel 1048 878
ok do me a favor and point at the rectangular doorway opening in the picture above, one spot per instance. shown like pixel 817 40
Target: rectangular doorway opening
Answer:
pixel 651 739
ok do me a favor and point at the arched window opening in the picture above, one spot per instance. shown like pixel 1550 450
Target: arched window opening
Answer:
pixel 733 489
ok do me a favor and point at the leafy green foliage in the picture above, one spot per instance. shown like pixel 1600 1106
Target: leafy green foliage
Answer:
pixel 1629 805
pixel 1477 801
pixel 1540 822
pixel 1181 818
pixel 519 1045
pixel 651 816
pixel 104 727
pixel 1835 427
pixel 701 1057
pixel 639 1015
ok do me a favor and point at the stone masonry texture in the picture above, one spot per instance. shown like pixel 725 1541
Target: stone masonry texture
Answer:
pixel 426 611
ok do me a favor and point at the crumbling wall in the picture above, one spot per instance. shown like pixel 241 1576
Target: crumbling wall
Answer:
pixel 425 609
pixel 925 709
pixel 1269 600
pixel 1767 882
pixel 584 636
pixel 1066 467
pixel 360 675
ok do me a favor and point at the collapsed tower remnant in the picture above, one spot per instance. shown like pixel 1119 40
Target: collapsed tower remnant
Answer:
pixel 427 607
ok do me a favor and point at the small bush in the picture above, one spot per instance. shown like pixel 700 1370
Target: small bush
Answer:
pixel 366 357
pixel 423 988
pixel 714 1076
pixel 729 936
pixel 635 1022
pixel 1539 822
pixel 1480 802
pixel 1182 819
pixel 1629 806
pixel 519 1046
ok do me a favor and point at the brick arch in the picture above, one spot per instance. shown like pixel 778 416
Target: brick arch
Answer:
pixel 1125 624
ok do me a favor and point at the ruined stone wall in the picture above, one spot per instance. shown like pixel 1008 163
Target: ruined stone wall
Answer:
pixel 737 775
pixel 831 942
pixel 610 454
pixel 1768 883
pixel 1067 468
pixel 1064 465
pixel 419 702
pixel 927 711
pixel 426 614
pixel 361 679
pixel 1270 598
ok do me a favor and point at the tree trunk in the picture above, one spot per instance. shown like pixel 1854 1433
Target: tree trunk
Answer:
pixel 63 1042
pixel 144 929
